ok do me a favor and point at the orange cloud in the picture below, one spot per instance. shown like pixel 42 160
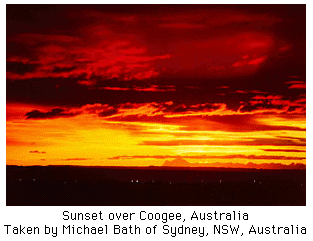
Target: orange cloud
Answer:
pixel 179 80
pixel 254 142
pixel 38 152
pixel 204 157
pixel 283 150
pixel 76 159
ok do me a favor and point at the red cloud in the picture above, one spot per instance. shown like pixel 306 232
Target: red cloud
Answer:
pixel 254 142
pixel 77 159
pixel 215 18
pixel 274 103
pixel 180 159
pixel 257 61
pixel 182 25
pixel 221 55
pixel 283 150
pixel 98 53
pixel 207 42
pixel 151 88
pixel 297 86
pixel 38 152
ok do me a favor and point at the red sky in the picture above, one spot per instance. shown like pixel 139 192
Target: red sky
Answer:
pixel 141 84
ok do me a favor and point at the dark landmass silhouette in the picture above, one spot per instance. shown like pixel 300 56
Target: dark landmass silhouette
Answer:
pixel 181 162
pixel 162 185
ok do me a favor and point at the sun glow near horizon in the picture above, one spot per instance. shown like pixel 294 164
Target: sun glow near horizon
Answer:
pixel 209 84
pixel 89 140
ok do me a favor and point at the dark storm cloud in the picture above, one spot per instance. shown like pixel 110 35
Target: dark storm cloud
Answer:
pixel 54 113
pixel 20 67
pixel 61 70
pixel 68 55
pixel 108 112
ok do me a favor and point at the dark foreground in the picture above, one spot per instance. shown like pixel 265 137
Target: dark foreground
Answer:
pixel 71 185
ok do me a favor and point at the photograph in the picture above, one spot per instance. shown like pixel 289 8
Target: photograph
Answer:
pixel 155 105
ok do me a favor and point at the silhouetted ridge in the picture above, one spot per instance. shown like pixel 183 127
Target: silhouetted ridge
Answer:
pixel 180 162
pixel 177 162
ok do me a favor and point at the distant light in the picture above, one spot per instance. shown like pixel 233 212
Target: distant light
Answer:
pixel 132 180
pixel 136 180
pixel 34 180
pixel 220 181
pixel 21 180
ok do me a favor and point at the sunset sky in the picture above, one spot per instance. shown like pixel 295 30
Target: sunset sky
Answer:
pixel 138 85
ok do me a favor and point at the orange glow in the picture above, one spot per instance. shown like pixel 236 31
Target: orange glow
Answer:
pixel 139 86
pixel 87 139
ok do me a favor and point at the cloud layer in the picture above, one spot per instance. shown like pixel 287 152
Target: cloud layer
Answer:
pixel 97 82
